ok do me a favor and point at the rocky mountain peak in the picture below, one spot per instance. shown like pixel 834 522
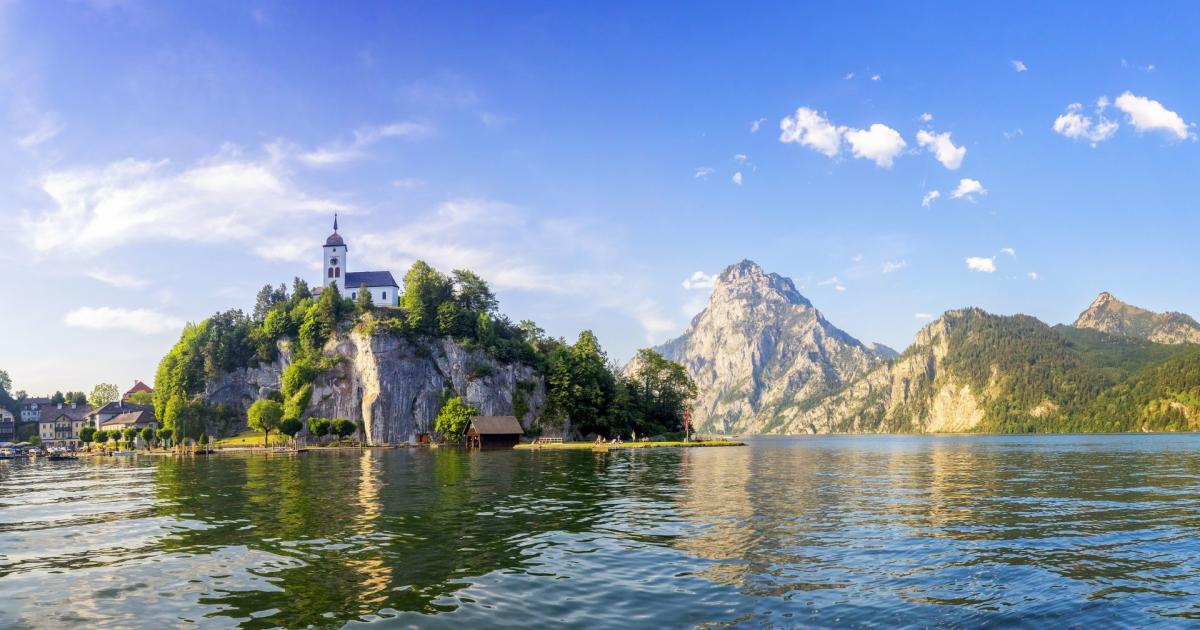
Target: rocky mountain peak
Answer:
pixel 1110 315
pixel 746 281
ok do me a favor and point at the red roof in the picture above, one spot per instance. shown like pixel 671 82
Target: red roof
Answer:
pixel 138 386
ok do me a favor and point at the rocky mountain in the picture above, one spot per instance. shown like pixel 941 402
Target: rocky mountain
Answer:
pixel 1110 315
pixel 760 351
pixel 392 384
pixel 766 361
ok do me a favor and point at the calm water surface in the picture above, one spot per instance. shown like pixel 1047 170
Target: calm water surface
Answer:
pixel 1052 531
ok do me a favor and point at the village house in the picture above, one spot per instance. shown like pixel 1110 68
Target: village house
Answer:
pixel 136 419
pixel 381 286
pixel 100 415
pixel 59 424
pixel 494 431
pixel 138 387
pixel 8 426
pixel 31 408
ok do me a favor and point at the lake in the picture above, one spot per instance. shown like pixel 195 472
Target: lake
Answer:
pixel 962 531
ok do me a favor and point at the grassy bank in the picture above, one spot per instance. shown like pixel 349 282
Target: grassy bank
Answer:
pixel 577 446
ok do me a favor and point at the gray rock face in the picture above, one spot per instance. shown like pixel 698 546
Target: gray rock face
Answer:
pixel 393 385
pixel 760 351
pixel 1110 315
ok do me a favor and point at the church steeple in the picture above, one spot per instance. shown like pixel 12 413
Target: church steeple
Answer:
pixel 336 253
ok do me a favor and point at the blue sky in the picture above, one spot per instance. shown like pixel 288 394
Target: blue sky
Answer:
pixel 161 161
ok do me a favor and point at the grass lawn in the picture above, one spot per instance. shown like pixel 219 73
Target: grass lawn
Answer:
pixel 606 446
pixel 253 438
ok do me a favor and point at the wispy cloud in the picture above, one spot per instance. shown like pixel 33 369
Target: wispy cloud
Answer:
pixel 1019 65
pixel 1077 125
pixel 143 321
pixel 702 172
pixel 340 153
pixel 116 279
pixel 1008 250
pixel 808 128
pixel 756 125
pixel 737 178
pixel 893 266
pixel 922 315
pixel 929 198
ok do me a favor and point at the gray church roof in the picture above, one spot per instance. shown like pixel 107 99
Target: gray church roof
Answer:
pixel 334 239
pixel 370 278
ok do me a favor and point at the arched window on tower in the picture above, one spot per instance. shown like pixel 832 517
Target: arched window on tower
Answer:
pixel 337 272
pixel 331 272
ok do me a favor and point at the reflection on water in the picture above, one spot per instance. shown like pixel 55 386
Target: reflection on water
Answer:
pixel 835 531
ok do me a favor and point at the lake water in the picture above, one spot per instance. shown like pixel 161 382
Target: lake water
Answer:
pixel 1048 531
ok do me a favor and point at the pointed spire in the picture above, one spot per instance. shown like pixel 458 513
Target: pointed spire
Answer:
pixel 335 222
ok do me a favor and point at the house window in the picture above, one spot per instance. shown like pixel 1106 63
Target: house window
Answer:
pixel 383 296
pixel 354 295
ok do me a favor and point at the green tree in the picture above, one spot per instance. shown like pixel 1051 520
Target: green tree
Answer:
pixel 164 435
pixel 362 299
pixel 300 290
pixel 128 434
pixel 662 389
pixel 264 415
pixel 100 437
pixel 342 428
pixel 57 398
pixel 425 289
pixel 148 436
pixel 452 419
pixel 8 400
pixel 102 394
pixel 581 387
pixel 319 427
pixel 86 435
pixel 290 427
pixel 472 293
pixel 78 398
pixel 142 398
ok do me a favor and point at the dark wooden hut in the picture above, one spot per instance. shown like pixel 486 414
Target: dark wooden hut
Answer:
pixel 494 431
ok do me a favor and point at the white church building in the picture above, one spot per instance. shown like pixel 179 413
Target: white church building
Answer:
pixel 381 285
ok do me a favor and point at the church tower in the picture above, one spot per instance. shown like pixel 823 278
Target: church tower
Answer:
pixel 335 259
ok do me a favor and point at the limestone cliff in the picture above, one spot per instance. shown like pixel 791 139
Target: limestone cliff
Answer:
pixel 1108 314
pixel 394 385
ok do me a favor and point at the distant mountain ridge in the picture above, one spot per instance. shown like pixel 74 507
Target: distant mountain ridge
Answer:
pixel 1110 315
pixel 766 361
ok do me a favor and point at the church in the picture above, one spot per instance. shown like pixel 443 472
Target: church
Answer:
pixel 380 284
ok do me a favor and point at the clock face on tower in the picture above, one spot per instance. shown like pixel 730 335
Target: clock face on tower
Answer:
pixel 333 261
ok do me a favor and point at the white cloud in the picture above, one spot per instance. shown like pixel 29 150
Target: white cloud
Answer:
pixel 139 320
pixel 1149 115
pixel 892 266
pixel 856 258
pixel 1008 250
pixel 703 172
pixel 115 279
pixel 737 178
pixel 1019 65
pixel 1033 275
pixel 810 129
pixel 699 280
pixel 929 198
pixel 880 144
pixel 221 199
pixel 340 153
pixel 1015 133
pixel 740 157
pixel 756 125
pixel 875 77
pixel 922 316
pixel 926 117
pixel 1076 125
pixel 968 188
pixel 849 75
pixel 982 265
pixel 943 148
pixel 407 183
